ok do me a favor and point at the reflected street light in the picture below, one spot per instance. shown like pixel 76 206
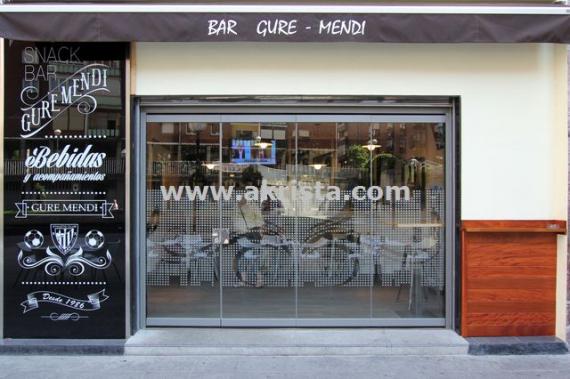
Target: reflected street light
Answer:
pixel 260 144
pixel 372 145
pixel 317 166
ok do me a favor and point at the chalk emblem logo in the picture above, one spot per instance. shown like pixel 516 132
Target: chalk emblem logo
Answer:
pixel 64 236
pixel 70 256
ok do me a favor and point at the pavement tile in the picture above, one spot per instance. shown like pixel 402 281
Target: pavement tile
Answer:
pixel 313 367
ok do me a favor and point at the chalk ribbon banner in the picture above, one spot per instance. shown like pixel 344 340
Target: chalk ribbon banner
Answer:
pixel 97 208
pixel 92 303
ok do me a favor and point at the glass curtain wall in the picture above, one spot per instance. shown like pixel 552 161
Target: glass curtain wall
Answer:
pixel 317 221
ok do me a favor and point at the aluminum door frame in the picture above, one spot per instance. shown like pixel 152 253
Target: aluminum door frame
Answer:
pixel 396 114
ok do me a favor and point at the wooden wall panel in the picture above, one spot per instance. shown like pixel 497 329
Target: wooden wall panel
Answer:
pixel 509 277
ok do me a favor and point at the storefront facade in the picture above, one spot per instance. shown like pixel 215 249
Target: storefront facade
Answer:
pixel 227 180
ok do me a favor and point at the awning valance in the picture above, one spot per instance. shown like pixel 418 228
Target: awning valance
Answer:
pixel 383 24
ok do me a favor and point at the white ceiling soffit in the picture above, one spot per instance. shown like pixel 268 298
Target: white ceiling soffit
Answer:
pixel 344 9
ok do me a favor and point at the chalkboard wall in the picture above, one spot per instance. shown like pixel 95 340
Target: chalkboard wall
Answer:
pixel 64 190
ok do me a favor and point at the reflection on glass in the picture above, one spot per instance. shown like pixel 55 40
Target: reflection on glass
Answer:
pixel 182 261
pixel 258 264
pixel 309 220
pixel 334 278
pixel 406 239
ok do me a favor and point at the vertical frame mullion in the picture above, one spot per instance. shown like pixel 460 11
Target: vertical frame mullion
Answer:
pixel 220 216
pixel 297 245
pixel 450 219
pixel 139 211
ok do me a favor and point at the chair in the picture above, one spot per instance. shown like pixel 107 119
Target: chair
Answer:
pixel 200 259
pixel 323 254
pixel 413 261
pixel 167 259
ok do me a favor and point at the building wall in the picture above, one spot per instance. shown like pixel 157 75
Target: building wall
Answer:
pixel 513 106
pixel 512 96
pixel 567 260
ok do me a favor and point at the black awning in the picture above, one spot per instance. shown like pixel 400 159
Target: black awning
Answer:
pixel 284 27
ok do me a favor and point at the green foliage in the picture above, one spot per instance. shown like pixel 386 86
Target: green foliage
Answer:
pixel 357 156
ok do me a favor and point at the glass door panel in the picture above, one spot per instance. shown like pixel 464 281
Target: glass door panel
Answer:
pixel 182 265
pixel 407 235
pixel 258 262
pixel 335 274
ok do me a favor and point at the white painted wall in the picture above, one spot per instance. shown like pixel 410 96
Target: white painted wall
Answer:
pixel 513 106
pixel 513 102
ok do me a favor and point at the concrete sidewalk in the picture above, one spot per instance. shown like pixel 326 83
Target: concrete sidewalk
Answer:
pixel 230 366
